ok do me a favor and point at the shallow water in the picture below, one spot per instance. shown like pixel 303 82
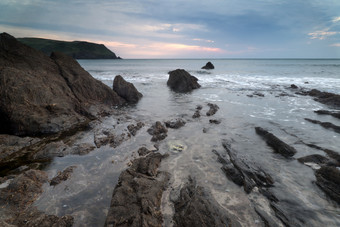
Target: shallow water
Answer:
pixel 87 194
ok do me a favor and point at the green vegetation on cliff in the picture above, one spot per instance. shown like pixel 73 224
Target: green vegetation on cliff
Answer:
pixel 75 49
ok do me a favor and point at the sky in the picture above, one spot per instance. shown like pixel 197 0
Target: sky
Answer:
pixel 184 29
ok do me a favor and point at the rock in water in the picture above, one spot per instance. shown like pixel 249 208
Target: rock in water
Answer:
pixel 44 95
pixel 274 142
pixel 181 81
pixel 209 65
pixel 126 90
pixel 158 132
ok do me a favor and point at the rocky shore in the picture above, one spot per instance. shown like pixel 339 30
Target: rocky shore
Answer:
pixel 187 170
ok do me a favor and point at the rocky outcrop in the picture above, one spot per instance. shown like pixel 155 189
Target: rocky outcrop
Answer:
pixel 45 95
pixel 328 179
pixel 17 198
pixel 327 112
pixel 194 207
pixel 181 81
pixel 278 145
pixel 197 113
pixel 326 125
pixel 327 98
pixel 137 197
pixel 158 132
pixel 242 172
pixel 126 90
pixel 209 65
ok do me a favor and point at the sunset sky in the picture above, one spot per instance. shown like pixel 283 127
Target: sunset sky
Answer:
pixel 184 29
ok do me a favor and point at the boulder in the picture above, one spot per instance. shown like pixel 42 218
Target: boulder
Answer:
pixel 126 90
pixel 209 65
pixel 45 95
pixel 181 81
pixel 175 123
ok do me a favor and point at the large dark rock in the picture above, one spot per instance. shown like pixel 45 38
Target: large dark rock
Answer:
pixel 126 90
pixel 278 145
pixel 327 98
pixel 136 200
pixel 328 179
pixel 44 95
pixel 195 207
pixel 209 65
pixel 181 81
pixel 327 125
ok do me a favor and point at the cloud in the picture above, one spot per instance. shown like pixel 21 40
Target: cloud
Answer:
pixel 322 34
pixel 336 19
pixel 203 40
pixel 335 45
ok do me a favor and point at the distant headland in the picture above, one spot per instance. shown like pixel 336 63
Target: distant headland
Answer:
pixel 75 49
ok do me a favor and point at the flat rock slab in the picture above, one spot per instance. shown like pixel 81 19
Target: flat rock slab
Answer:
pixel 278 145
pixel 137 197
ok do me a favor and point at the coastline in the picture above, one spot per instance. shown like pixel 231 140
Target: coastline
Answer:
pixel 217 158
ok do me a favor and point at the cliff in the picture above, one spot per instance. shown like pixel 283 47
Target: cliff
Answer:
pixel 75 49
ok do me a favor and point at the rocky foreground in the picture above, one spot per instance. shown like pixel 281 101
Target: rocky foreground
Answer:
pixel 50 107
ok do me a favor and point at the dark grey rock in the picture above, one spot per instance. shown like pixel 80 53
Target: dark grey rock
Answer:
pixel 326 125
pixel 126 90
pixel 181 81
pixel 136 200
pixel 209 65
pixel 175 123
pixel 158 132
pixel 278 145
pixel 213 108
pixel 62 176
pixel 328 179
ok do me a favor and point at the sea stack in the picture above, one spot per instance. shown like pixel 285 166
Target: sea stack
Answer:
pixel 181 81
pixel 209 65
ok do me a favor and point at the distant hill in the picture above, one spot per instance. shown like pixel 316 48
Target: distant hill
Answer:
pixel 75 49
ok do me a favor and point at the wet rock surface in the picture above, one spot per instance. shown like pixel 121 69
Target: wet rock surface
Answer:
pixel 133 129
pixel 213 108
pixel 181 81
pixel 194 207
pixel 327 98
pixel 328 179
pixel 327 125
pixel 126 90
pixel 327 112
pixel 242 172
pixel 137 197
pixel 278 145
pixel 17 198
pixel 62 176
pixel 175 123
pixel 209 65
pixel 158 131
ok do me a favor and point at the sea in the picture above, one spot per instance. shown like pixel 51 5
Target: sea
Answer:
pixel 250 93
